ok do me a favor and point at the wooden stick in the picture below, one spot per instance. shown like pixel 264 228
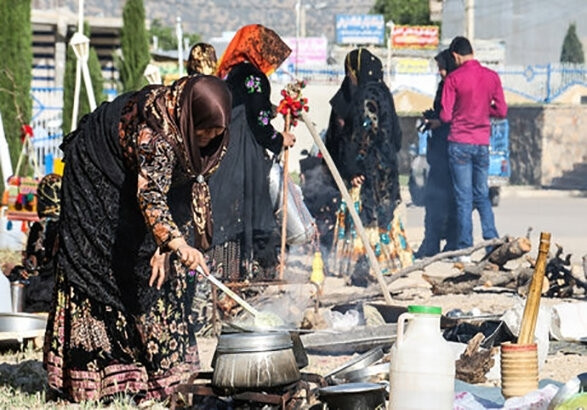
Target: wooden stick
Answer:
pixel 354 215
pixel 420 265
pixel 528 325
pixel 284 206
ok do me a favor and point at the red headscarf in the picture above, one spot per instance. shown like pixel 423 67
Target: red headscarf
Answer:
pixel 256 44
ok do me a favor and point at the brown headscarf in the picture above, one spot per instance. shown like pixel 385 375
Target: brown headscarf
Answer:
pixel 176 112
pixel 256 44
pixel 202 59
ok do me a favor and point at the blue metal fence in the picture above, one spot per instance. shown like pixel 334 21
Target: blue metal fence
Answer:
pixel 535 83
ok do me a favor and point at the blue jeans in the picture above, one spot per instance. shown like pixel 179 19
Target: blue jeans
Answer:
pixel 469 169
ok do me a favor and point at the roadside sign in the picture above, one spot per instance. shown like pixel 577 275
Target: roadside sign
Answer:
pixel 418 37
pixel 360 29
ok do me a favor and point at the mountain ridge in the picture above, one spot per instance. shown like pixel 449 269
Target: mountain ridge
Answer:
pixel 211 18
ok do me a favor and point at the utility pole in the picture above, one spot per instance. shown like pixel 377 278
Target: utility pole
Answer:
pixel 179 34
pixel 298 32
pixel 470 20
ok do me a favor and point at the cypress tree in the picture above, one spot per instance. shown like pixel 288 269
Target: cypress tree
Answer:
pixel 134 43
pixel 572 50
pixel 15 71
pixel 69 84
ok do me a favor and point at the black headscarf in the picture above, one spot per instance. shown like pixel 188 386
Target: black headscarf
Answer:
pixel 445 61
pixel 364 66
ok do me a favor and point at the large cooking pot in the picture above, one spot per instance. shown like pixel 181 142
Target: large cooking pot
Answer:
pixel 353 396
pixel 254 361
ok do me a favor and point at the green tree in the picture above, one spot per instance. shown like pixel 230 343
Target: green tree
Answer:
pixel 135 46
pixel 166 36
pixel 572 50
pixel 411 12
pixel 69 84
pixel 15 71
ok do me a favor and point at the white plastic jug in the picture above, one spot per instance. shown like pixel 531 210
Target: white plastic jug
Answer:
pixel 422 371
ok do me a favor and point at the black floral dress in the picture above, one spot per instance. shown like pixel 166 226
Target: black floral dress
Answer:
pixel 110 333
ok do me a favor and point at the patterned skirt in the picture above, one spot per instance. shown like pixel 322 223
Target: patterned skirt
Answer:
pixel 93 351
pixel 348 257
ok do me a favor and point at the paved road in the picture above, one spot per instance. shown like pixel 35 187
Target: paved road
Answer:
pixel 563 214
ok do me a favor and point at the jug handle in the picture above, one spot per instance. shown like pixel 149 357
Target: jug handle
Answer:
pixel 401 321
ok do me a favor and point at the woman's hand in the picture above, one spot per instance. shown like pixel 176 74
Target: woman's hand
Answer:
pixel 189 256
pixel 288 139
pixel 158 273
pixel 357 181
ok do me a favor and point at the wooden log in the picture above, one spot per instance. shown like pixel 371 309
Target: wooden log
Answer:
pixel 528 324
pixel 513 249
pixel 467 282
pixel 418 266
pixel 371 292
pixel 474 363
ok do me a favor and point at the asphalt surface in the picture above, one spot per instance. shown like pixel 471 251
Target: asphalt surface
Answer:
pixel 562 213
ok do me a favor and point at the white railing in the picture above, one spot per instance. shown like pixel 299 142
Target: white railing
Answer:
pixel 46 123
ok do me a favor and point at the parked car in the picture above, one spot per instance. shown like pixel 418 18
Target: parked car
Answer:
pixel 499 162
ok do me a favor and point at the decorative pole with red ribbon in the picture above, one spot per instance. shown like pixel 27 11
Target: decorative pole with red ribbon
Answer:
pixel 291 106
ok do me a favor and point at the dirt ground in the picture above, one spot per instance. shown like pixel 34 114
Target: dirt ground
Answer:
pixel 559 365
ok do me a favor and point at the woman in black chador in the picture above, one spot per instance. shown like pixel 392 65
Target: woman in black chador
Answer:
pixel 246 238
pixel 364 138
pixel 135 218
pixel 440 219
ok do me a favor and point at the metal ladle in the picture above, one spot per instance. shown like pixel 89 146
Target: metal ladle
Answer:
pixel 263 320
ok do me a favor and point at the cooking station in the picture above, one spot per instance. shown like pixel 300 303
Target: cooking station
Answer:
pixel 199 392
pixel 261 370
pixel 252 370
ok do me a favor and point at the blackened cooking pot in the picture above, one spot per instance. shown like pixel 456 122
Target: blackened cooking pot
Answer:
pixel 353 396
pixel 254 361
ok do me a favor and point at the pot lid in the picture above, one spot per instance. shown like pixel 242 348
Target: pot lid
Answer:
pixel 350 388
pixel 253 342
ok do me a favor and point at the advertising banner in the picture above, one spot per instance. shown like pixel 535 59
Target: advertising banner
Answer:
pixel 308 52
pixel 418 37
pixel 360 29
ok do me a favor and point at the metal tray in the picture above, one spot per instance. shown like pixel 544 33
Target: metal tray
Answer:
pixel 21 325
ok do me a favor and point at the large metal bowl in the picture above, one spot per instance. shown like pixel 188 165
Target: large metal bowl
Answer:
pixel 357 363
pixel 18 326
pixel 371 374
